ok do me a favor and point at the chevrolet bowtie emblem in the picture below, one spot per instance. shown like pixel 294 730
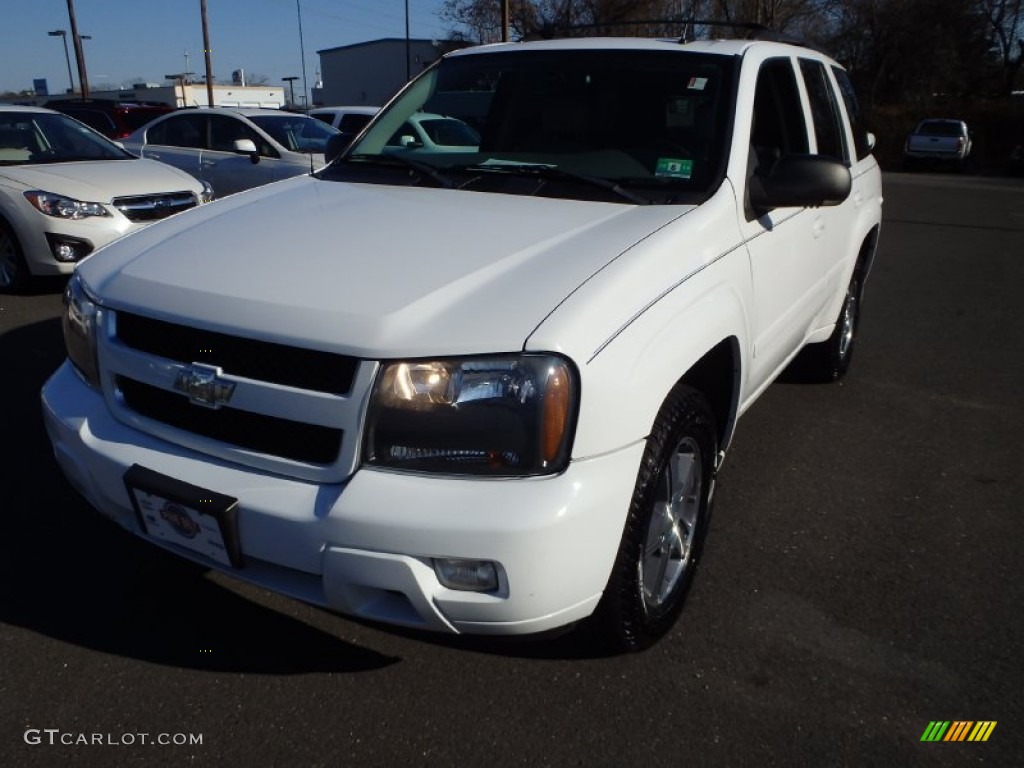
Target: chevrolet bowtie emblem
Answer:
pixel 203 385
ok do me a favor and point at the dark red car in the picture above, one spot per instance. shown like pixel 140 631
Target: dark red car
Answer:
pixel 114 119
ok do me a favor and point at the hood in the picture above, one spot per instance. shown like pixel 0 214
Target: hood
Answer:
pixel 369 270
pixel 101 181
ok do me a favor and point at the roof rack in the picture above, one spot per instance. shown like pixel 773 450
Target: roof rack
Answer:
pixel 753 30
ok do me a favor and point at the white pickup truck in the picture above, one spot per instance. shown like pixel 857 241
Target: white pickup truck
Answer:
pixel 940 141
pixel 484 391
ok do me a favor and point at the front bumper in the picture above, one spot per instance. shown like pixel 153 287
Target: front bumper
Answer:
pixel 366 547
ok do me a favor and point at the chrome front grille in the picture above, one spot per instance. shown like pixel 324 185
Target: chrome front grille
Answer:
pixel 154 207
pixel 291 411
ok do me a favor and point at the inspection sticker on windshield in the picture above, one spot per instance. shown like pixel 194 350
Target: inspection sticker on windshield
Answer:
pixel 674 168
pixel 697 83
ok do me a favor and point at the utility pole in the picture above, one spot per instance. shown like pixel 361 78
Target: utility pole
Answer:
pixel 504 21
pixel 206 51
pixel 83 78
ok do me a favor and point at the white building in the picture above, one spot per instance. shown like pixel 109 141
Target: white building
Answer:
pixel 193 95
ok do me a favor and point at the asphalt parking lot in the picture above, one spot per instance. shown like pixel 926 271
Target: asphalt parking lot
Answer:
pixel 862 578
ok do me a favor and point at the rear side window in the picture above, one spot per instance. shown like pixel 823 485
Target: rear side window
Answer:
pixel 860 134
pixel 828 125
pixel 179 131
pixel 353 122
pixel 136 118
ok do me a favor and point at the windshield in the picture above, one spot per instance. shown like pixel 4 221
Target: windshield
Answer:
pixel 35 138
pixel 297 133
pixel 584 124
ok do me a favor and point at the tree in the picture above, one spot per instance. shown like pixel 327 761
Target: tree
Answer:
pixel 1006 22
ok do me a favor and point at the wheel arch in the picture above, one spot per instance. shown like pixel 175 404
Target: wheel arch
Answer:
pixel 696 339
pixel 717 376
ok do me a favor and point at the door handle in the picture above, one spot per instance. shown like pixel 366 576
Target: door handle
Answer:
pixel 818 228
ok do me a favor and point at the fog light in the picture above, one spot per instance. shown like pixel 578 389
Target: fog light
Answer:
pixel 467 575
pixel 68 249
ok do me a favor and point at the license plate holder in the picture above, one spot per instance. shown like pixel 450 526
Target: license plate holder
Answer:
pixel 180 513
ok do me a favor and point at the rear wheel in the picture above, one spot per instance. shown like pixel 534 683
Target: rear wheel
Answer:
pixel 665 527
pixel 13 270
pixel 829 360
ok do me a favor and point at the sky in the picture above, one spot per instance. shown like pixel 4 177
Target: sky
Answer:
pixel 143 40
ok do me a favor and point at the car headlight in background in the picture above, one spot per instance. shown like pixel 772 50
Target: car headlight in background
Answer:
pixel 206 196
pixel 64 207
pixel 81 315
pixel 503 415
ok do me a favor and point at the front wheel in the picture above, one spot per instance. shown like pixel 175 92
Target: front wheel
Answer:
pixel 13 270
pixel 665 526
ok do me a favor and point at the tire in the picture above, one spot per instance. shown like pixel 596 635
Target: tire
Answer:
pixel 665 527
pixel 13 270
pixel 829 360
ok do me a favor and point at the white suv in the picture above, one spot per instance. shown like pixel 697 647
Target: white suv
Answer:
pixel 484 391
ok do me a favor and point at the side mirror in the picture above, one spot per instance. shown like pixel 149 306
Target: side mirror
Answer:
pixel 801 181
pixel 336 145
pixel 410 142
pixel 247 147
pixel 871 141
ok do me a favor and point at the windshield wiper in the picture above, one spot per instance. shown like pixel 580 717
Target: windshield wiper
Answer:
pixel 553 172
pixel 424 169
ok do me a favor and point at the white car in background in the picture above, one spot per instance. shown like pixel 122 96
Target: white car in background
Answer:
pixel 65 190
pixel 233 149
pixel 349 120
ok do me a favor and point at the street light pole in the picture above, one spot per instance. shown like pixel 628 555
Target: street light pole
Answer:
pixel 63 35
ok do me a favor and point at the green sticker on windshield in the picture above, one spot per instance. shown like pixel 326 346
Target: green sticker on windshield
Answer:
pixel 674 168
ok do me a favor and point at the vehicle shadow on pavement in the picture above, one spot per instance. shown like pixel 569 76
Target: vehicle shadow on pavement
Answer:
pixel 73 576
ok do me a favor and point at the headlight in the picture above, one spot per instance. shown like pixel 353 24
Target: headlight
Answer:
pixel 503 415
pixel 80 321
pixel 206 196
pixel 64 207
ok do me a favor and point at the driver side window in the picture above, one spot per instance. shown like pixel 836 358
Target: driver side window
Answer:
pixel 779 127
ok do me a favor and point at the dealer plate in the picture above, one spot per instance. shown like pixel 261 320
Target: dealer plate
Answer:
pixel 180 513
